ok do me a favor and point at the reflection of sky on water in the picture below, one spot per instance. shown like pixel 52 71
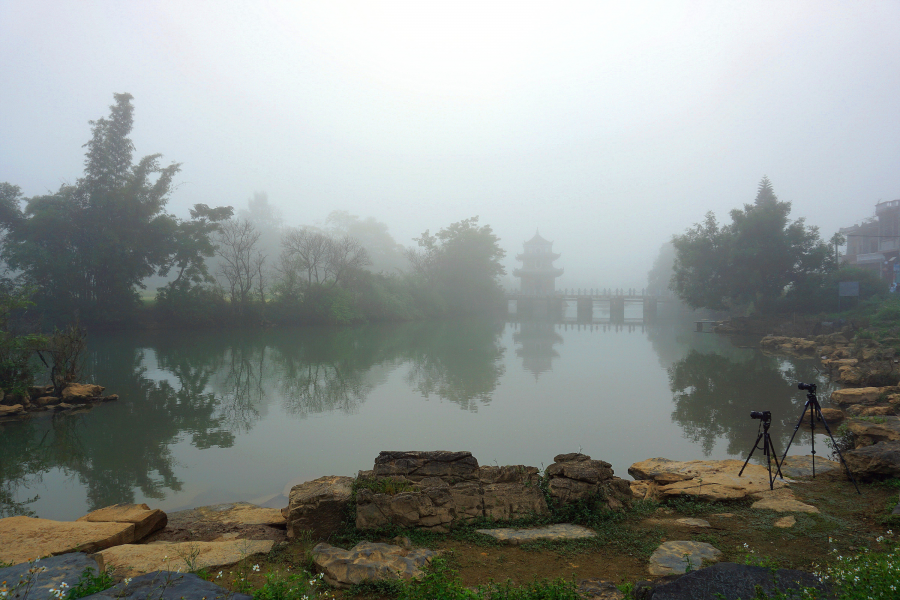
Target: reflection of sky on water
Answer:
pixel 219 418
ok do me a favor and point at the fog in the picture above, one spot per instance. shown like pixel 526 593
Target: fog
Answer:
pixel 608 126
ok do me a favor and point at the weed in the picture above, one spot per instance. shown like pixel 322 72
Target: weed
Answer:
pixel 91 584
pixel 380 588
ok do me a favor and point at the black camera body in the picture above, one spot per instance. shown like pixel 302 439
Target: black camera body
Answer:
pixel 809 387
pixel 764 416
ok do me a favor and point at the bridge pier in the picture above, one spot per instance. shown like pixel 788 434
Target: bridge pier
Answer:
pixel 617 309
pixel 650 305
pixel 585 309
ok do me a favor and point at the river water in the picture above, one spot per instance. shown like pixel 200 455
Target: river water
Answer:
pixel 211 417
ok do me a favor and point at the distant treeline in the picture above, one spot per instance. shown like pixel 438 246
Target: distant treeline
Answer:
pixel 86 252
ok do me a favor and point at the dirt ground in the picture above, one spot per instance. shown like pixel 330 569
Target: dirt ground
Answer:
pixel 847 523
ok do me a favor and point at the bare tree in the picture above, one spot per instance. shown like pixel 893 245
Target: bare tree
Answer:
pixel 310 249
pixel 345 256
pixel 236 244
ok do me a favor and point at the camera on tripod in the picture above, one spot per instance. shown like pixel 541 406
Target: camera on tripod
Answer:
pixel 764 416
pixel 809 387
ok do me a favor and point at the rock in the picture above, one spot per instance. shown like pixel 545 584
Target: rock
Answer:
pixel 110 398
pixel 832 415
pixel 575 477
pixel 506 501
pixel 38 391
pixel 597 589
pixel 801 466
pixel 879 429
pixel 865 395
pixel 240 513
pixel 42 576
pixel 786 522
pixel 369 561
pixel 561 531
pixel 644 490
pixel 784 504
pixel 452 467
pixel 26 538
pixel 81 392
pixel 709 479
pixel 47 401
pixel 432 509
pixel 318 506
pixel 165 585
pixel 731 581
pixel 872 411
pixel 11 411
pixel 508 474
pixel 135 559
pixel 879 461
pixel 693 522
pixel 673 557
pixel 145 521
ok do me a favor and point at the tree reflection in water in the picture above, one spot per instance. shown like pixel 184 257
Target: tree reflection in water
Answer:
pixel 457 361
pixel 714 395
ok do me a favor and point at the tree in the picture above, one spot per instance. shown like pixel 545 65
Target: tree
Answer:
pixel 241 263
pixel 750 262
pixel 463 262
pixel 87 247
pixel 385 253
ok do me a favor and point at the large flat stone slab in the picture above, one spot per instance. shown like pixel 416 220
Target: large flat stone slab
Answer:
pixel 145 520
pixel 368 561
pixel 238 513
pixel 136 559
pixel 26 538
pixel 672 558
pixel 46 574
pixel 704 479
pixel 730 581
pixel 165 585
pixel 562 531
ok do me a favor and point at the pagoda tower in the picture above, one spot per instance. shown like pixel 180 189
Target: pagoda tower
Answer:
pixel 538 274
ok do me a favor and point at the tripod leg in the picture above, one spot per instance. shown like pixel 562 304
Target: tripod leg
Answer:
pixel 796 427
pixel 836 449
pixel 775 455
pixel 755 445
pixel 766 444
pixel 812 429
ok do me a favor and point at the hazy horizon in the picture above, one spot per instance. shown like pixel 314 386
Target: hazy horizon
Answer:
pixel 607 126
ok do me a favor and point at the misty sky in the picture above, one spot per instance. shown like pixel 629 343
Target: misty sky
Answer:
pixel 610 126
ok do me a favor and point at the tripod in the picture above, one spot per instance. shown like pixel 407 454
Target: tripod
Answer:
pixel 768 448
pixel 815 412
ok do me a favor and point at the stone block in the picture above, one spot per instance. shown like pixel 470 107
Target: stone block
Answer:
pixel 81 392
pixel 318 506
pixel 145 521
pixel 453 467
pixel 136 559
pixel 731 581
pixel 26 538
pixel 368 561
pixel 878 461
pixel 506 501
pixel 672 557
pixel 42 576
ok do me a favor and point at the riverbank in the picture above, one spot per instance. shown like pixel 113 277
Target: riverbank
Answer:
pixel 802 524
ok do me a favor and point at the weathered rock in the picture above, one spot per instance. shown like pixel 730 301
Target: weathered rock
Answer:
pixel 784 504
pixel 674 557
pixel 431 509
pixel 832 415
pixel 469 499
pixel 145 521
pixel 878 429
pixel 785 522
pixel 693 522
pixel 802 466
pixel 561 531
pixel 509 474
pixel 165 585
pixel 574 477
pixel 42 576
pixel 860 410
pixel 136 559
pixel 26 538
pixel 369 561
pixel 865 395
pixel 81 392
pixel 730 581
pixel 452 467
pixel 597 589
pixel 37 391
pixel 11 411
pixel 318 506
pixel 644 490
pixel 879 461
pixel 710 479
pixel 240 513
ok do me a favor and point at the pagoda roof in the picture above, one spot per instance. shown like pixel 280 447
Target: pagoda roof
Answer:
pixel 537 239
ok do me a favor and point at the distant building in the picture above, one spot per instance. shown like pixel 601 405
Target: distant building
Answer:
pixel 875 243
pixel 537 274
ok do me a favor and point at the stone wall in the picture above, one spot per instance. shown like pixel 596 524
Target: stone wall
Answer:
pixel 450 487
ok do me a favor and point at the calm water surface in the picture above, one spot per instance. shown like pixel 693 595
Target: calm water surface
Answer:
pixel 207 417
